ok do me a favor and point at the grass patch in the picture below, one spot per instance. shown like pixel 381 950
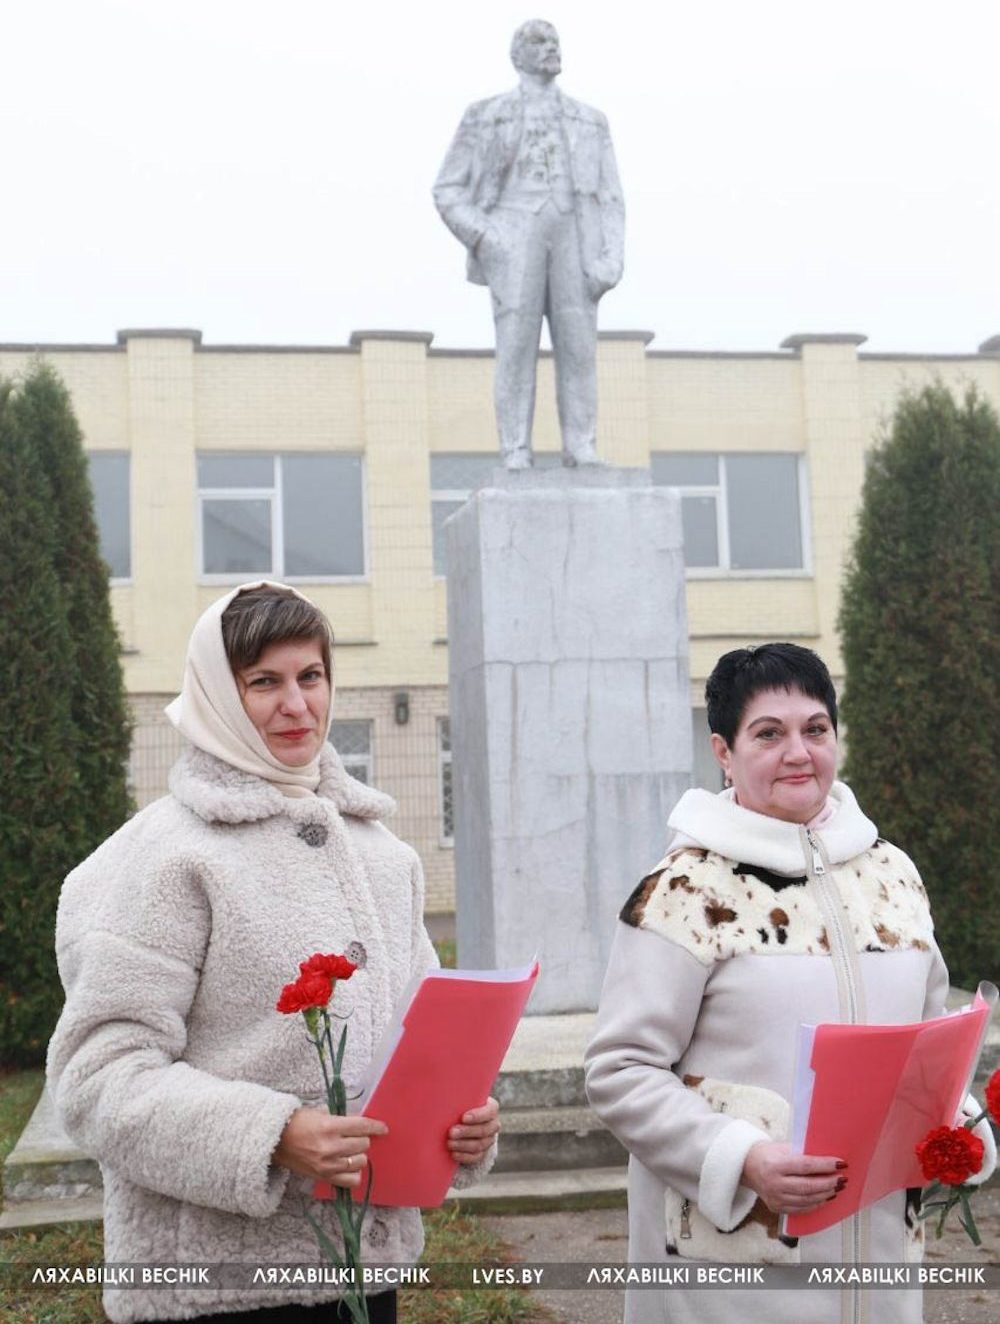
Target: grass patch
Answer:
pixel 453 1237
pixel 68 1245
pixel 19 1092
pixel 445 948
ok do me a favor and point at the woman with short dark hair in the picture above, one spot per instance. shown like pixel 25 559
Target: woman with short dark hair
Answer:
pixel 777 904
pixel 170 1062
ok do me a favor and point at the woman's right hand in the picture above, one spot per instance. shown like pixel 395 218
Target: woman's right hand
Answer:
pixel 334 1149
pixel 791 1183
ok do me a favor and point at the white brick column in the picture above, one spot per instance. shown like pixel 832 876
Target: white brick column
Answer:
pixel 161 424
pixel 835 443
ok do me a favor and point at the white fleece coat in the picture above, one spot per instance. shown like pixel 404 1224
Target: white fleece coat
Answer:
pixel 720 954
pixel 170 1063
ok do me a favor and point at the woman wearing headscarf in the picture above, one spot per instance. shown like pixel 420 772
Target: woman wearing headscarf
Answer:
pixel 170 1063
pixel 777 903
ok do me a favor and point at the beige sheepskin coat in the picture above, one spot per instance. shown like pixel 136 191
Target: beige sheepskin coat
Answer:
pixel 170 1063
pixel 720 954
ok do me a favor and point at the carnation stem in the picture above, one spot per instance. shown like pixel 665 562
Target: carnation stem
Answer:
pixel 353 1298
pixel 967 1220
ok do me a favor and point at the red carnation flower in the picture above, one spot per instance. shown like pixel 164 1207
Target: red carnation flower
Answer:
pixel 950 1155
pixel 993 1096
pixel 311 989
pixel 332 965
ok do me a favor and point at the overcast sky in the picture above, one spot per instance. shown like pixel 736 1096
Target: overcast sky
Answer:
pixel 262 171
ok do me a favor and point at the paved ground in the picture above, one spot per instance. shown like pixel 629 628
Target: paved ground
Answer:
pixel 591 1234
pixel 599 1235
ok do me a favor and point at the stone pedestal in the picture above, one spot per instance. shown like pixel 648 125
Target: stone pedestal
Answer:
pixel 570 714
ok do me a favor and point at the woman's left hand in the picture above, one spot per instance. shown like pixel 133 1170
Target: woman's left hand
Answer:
pixel 472 1137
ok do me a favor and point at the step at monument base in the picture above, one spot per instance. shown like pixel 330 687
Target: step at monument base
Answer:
pixel 554 1152
pixel 551 1140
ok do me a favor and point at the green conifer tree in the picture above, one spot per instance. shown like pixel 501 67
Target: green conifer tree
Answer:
pixel 99 709
pixel 42 812
pixel 921 643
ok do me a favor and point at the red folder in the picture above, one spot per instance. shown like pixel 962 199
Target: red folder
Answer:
pixel 438 1058
pixel 876 1090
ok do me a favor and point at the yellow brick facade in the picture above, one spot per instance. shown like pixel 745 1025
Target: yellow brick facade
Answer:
pixel 394 401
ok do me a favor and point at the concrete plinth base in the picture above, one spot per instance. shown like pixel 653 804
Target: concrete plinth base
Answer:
pixel 571 727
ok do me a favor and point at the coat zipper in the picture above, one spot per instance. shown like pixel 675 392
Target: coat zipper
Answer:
pixel 838 949
pixel 819 867
pixel 686 1221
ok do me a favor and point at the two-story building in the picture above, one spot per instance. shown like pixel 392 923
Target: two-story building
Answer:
pixel 334 468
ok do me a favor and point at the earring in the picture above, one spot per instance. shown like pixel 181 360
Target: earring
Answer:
pixel 727 781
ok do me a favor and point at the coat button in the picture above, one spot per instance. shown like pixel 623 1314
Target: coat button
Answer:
pixel 377 1232
pixel 355 952
pixel 313 834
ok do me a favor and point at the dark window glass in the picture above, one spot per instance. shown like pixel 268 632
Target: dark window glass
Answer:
pixel 765 531
pixel 461 473
pixel 352 739
pixel 223 470
pixel 444 763
pixel 701 531
pixel 236 537
pixel 109 478
pixel 440 510
pixel 685 468
pixel 322 497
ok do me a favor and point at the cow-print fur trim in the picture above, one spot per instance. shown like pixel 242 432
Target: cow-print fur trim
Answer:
pixel 757 1238
pixel 716 909
pixel 913 1229
pixel 773 880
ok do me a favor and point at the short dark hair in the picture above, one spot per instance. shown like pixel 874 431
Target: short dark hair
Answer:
pixel 266 615
pixel 745 672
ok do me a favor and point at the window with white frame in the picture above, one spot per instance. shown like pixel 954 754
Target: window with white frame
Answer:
pixel 743 512
pixel 109 481
pixel 454 478
pixel 352 739
pixel 445 782
pixel 290 516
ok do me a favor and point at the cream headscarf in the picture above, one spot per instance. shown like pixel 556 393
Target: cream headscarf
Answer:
pixel 210 713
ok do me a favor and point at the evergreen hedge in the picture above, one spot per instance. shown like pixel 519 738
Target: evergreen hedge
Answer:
pixel 41 830
pixel 62 735
pixel 99 709
pixel 921 643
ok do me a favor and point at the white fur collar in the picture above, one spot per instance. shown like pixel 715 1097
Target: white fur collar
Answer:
pixel 719 824
pixel 220 793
